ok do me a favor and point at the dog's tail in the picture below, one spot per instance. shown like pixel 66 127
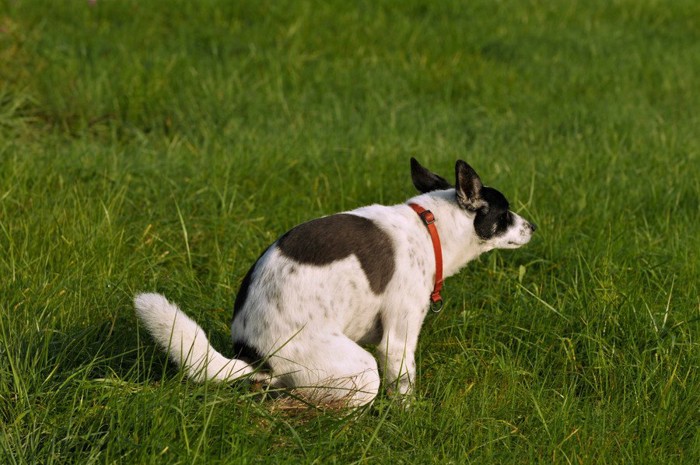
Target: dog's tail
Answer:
pixel 185 341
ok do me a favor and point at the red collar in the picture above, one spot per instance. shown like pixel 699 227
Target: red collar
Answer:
pixel 429 220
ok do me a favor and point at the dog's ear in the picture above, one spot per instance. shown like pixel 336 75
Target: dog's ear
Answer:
pixel 468 187
pixel 426 181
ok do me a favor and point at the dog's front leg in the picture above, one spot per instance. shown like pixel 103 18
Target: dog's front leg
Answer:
pixel 396 353
pixel 399 368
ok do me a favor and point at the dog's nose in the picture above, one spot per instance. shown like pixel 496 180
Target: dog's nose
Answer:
pixel 533 226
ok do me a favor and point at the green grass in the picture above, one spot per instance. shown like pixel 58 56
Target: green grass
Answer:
pixel 163 145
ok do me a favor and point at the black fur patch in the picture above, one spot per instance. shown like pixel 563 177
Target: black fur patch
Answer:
pixel 250 355
pixel 243 291
pixel 245 285
pixel 325 240
pixel 494 219
pixel 374 333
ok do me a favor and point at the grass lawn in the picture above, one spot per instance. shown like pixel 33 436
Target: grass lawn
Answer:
pixel 162 145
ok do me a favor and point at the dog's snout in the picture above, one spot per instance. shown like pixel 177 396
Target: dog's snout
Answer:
pixel 533 227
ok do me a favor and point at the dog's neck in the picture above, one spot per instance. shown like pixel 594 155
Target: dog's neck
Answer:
pixel 460 244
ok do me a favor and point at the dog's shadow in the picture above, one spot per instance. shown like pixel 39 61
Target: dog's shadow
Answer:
pixel 112 349
pixel 118 351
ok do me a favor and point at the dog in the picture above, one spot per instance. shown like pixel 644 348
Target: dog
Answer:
pixel 330 286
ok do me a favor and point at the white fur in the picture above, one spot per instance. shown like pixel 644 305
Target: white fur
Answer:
pixel 185 341
pixel 310 323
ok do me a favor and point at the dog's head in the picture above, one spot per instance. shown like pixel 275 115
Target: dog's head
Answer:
pixel 496 226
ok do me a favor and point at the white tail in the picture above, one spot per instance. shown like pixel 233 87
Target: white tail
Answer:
pixel 185 341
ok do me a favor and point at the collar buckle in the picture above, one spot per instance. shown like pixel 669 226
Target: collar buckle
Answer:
pixel 427 217
pixel 436 302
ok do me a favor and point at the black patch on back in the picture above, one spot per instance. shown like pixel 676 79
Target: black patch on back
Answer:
pixel 325 240
pixel 494 219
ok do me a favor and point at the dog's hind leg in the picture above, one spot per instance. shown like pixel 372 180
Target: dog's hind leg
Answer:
pixel 328 370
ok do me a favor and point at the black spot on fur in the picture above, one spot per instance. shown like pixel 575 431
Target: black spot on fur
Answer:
pixel 325 240
pixel 377 327
pixel 250 355
pixel 374 332
pixel 272 294
pixel 245 286
pixel 243 291
pixel 320 303
pixel 494 219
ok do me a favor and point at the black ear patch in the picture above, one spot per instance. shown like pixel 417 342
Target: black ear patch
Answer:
pixel 325 240
pixel 425 180
pixel 495 220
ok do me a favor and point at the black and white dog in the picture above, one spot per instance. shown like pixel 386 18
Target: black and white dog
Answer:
pixel 331 285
